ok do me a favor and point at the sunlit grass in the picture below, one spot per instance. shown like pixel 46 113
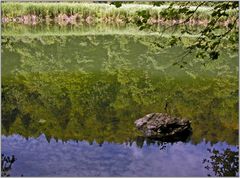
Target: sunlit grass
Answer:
pixel 98 11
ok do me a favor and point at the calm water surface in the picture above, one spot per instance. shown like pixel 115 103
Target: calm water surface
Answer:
pixel 69 103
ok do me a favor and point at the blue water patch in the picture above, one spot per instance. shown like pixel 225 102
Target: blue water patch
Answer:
pixel 38 157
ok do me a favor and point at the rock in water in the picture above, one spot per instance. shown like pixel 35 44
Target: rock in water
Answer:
pixel 163 126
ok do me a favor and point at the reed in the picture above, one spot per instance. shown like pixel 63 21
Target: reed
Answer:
pixel 128 12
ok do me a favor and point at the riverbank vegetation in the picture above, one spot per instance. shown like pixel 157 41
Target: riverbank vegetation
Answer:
pixel 96 12
pixel 219 19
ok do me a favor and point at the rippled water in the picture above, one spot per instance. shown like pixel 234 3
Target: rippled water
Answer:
pixel 69 103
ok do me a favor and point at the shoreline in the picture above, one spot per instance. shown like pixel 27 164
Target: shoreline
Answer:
pixel 64 19
pixel 73 13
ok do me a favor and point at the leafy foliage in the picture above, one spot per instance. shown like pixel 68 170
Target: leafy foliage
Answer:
pixel 223 163
pixel 6 164
pixel 207 44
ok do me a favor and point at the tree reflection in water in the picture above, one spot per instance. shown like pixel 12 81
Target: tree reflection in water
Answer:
pixel 6 165
pixel 222 163
pixel 92 88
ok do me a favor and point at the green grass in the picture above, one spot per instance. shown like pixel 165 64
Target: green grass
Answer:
pixel 54 9
pixel 128 12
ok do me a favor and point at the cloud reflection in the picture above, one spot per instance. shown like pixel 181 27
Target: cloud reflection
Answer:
pixel 38 157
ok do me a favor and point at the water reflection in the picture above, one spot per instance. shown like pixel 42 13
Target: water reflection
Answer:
pixel 95 87
pixel 6 164
pixel 85 92
pixel 223 162
pixel 98 109
pixel 36 156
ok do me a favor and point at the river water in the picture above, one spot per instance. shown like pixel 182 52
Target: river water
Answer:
pixel 70 98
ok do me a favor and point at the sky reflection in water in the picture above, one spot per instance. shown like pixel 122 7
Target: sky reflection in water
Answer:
pixel 36 156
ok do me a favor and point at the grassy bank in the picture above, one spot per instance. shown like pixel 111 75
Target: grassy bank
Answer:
pixel 91 11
